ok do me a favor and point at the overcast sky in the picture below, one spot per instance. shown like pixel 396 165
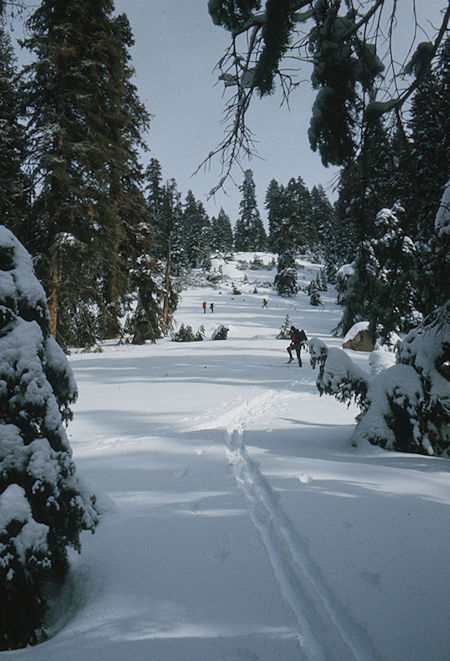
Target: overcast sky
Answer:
pixel 176 49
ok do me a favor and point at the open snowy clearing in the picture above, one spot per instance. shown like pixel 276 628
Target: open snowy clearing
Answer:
pixel 240 525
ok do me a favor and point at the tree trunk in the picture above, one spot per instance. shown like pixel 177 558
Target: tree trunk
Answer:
pixel 56 271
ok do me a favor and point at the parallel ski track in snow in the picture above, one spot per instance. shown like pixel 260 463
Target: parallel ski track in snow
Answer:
pixel 324 630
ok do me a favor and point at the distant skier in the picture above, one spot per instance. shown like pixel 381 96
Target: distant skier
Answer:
pixel 298 339
pixel 265 302
pixel 212 307
pixel 204 307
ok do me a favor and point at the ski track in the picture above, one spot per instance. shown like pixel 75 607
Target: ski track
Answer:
pixel 324 631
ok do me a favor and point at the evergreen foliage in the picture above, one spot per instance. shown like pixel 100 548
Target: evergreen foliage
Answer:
pixel 84 122
pixel 186 334
pixel 221 233
pixel 404 407
pixel 380 289
pixel 285 281
pixel 284 332
pixel 13 199
pixel 197 230
pixel 221 332
pixel 43 507
pixel 249 233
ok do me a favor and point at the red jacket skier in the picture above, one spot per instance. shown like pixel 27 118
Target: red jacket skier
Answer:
pixel 298 339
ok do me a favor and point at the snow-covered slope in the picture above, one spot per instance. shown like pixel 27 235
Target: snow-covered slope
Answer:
pixel 239 523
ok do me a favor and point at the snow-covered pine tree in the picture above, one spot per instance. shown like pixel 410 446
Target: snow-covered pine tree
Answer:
pixel 221 233
pixel 298 213
pixel 284 332
pixel 196 233
pixel 430 155
pixel 43 505
pixel 286 234
pixel 173 260
pixel 249 232
pixel 405 407
pixel 285 281
pixel 380 289
pixel 274 207
pixel 172 206
pixel 323 221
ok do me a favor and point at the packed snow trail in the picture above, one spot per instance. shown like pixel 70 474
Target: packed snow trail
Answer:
pixel 325 633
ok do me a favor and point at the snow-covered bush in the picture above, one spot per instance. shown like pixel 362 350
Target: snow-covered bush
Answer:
pixel 314 294
pixel 43 507
pixel 186 334
pixel 338 374
pixel 405 407
pixel 220 333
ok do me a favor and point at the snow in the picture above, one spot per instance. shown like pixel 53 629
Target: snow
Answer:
pixel 355 329
pixel 239 524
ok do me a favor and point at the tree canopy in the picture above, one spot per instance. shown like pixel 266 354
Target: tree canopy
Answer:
pixel 350 48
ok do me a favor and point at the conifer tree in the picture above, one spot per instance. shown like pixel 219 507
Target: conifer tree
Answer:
pixel 249 232
pixel 43 506
pixel 221 233
pixel 84 126
pixel 322 219
pixel 274 207
pixel 197 233
pixel 155 201
pixel 380 289
pixel 12 180
pixel 298 213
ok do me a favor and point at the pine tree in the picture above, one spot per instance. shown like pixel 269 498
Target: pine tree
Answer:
pixel 298 213
pixel 84 125
pixel 12 181
pixel 174 258
pixel 249 232
pixel 197 233
pixel 155 201
pixel 322 220
pixel 430 150
pixel 274 207
pixel 221 233
pixel 380 290
pixel 43 507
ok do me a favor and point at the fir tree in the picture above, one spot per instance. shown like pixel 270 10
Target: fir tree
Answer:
pixel 380 290
pixel 298 213
pixel 155 201
pixel 43 507
pixel 249 232
pixel 221 233
pixel 84 125
pixel 322 221
pixel 286 278
pixel 12 180
pixel 274 207
pixel 197 233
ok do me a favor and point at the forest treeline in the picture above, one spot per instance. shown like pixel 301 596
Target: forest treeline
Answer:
pixel 111 238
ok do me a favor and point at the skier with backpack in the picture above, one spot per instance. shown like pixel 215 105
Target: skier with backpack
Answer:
pixel 298 339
